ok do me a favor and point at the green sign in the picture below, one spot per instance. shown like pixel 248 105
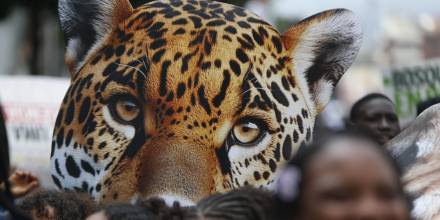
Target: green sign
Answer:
pixel 412 85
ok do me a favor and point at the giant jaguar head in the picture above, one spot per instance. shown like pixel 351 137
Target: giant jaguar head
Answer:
pixel 183 98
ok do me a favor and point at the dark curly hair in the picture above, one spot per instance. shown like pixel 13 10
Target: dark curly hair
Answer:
pixel 160 210
pixel 67 205
pixel 245 203
pixel 126 211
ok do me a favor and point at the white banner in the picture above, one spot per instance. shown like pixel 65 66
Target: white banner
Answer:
pixel 31 105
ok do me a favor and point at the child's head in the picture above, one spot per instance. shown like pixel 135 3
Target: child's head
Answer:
pixel 58 205
pixel 239 204
pixel 116 211
pixel 346 176
pixel 158 209
pixel 245 203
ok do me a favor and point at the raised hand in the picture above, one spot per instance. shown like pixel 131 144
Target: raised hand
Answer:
pixel 22 183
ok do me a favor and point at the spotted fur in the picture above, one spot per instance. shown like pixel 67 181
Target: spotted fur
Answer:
pixel 193 70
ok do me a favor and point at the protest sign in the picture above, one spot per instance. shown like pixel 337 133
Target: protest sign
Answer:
pixel 409 85
pixel 31 105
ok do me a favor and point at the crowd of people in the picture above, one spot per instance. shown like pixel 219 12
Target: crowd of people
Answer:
pixel 345 174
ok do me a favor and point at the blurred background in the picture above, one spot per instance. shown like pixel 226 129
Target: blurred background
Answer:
pixel 399 57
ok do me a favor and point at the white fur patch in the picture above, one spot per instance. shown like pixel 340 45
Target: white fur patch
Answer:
pixel 425 147
pixel 302 63
pixel 341 28
pixel 78 155
pixel 427 206
pixel 324 91
pixel 127 130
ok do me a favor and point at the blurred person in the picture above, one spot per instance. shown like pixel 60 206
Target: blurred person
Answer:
pixel 20 182
pixel 126 211
pixel 58 205
pixel 7 208
pixel 345 176
pixel 376 114
pixel 423 105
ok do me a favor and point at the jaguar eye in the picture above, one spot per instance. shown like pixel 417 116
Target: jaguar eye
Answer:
pixel 124 110
pixel 247 132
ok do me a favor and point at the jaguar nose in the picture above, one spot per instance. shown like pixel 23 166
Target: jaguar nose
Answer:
pixel 176 171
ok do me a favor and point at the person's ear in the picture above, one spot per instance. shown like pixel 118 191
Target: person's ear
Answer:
pixel 322 48
pixel 85 23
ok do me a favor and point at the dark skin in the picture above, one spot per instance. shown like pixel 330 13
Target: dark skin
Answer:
pixel 343 182
pixel 22 183
pixel 379 117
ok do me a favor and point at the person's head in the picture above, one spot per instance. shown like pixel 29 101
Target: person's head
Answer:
pixel 58 205
pixel 241 204
pixel 158 209
pixel 376 114
pixel 126 211
pixel 347 176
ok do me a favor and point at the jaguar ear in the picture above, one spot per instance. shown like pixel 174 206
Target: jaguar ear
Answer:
pixel 86 22
pixel 323 47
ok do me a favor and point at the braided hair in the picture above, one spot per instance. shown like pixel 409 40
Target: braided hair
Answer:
pixel 246 203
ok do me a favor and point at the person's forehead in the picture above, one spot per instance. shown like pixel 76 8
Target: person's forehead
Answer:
pixel 346 147
pixel 342 152
pixel 341 161
pixel 377 105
